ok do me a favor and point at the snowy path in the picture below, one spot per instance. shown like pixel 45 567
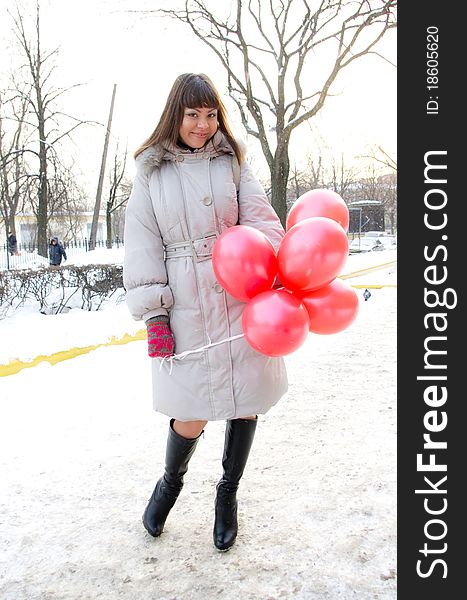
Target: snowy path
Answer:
pixel 80 450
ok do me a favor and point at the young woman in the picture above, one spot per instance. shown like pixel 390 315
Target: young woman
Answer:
pixel 192 183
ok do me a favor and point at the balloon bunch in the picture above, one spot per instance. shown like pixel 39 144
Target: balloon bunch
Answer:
pixel 310 256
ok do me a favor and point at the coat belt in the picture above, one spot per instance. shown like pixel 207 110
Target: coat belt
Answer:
pixel 199 249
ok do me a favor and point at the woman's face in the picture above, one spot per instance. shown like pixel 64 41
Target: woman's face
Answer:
pixel 198 126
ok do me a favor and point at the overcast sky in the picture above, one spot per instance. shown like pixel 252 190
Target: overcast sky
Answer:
pixel 102 44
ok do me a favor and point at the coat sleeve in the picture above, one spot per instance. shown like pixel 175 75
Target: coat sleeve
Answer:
pixel 255 209
pixel 144 270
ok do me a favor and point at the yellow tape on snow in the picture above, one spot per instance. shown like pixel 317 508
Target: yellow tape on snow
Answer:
pixel 368 270
pixel 18 365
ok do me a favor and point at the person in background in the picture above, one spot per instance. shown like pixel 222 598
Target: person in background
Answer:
pixel 12 244
pixel 56 252
pixel 192 183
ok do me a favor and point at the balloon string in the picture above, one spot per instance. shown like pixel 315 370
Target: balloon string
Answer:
pixel 182 355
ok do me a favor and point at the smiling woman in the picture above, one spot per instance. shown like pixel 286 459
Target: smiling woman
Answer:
pixel 193 113
pixel 198 126
pixel 184 197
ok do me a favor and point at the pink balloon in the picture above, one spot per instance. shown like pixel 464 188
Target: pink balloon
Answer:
pixel 332 308
pixel 244 262
pixel 319 203
pixel 312 254
pixel 275 323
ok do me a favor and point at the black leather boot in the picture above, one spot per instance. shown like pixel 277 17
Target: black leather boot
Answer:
pixel 177 456
pixel 239 434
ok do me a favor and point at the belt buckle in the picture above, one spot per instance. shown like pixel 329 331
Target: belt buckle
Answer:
pixel 199 256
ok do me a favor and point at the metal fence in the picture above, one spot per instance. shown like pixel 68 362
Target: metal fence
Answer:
pixel 27 256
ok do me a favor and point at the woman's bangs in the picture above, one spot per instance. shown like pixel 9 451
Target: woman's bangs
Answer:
pixel 199 95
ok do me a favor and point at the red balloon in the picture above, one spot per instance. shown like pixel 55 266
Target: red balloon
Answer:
pixel 319 203
pixel 244 262
pixel 311 254
pixel 332 308
pixel 275 323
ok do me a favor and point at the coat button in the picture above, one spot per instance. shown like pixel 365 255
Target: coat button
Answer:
pixel 179 158
pixel 218 288
pixel 207 201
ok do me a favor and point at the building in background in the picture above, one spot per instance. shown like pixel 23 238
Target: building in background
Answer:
pixel 366 215
pixel 67 228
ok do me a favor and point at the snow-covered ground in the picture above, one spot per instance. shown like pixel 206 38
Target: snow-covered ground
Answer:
pixel 81 448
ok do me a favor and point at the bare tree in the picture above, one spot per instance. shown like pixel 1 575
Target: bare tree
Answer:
pixel 11 160
pixel 342 177
pixel 380 155
pixel 308 178
pixel 296 184
pixel 387 183
pixel 67 201
pixel 267 48
pixel 45 117
pixel 119 191
pixel 336 175
pixel 389 198
pixel 381 187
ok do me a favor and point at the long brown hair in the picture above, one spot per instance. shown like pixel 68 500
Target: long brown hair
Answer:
pixel 190 90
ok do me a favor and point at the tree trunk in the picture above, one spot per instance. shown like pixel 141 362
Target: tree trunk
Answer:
pixel 11 225
pixel 42 213
pixel 109 227
pixel 279 180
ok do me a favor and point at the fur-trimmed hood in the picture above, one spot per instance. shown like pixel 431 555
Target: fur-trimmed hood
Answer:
pixel 152 157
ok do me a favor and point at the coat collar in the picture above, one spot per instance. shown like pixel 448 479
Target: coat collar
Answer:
pixel 152 157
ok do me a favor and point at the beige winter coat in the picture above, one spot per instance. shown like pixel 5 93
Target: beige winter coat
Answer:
pixel 181 202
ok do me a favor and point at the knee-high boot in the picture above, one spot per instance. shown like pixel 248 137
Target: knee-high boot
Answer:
pixel 239 434
pixel 178 453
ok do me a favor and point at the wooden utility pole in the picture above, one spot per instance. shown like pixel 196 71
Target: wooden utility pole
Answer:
pixel 97 205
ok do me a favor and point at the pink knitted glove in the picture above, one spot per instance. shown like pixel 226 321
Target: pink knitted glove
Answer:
pixel 160 339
